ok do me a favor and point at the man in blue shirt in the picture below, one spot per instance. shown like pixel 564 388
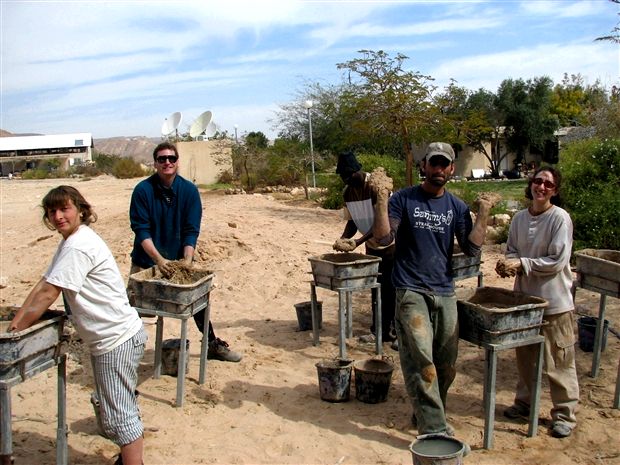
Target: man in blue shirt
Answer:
pixel 165 214
pixel 424 220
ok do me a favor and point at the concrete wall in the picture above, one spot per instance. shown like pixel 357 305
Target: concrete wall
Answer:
pixel 202 161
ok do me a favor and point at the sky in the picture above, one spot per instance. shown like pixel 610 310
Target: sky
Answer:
pixel 121 68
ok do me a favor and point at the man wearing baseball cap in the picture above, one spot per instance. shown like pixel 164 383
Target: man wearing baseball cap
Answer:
pixel 424 220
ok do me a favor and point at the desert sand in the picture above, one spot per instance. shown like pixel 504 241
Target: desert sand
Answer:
pixel 266 409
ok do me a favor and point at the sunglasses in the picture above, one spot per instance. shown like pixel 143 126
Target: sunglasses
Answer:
pixel 165 158
pixel 544 182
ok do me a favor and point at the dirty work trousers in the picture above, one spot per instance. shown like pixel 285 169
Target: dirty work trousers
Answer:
pixel 559 366
pixel 427 329
pixel 388 303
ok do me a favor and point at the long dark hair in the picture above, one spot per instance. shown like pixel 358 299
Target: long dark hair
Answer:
pixel 557 179
pixel 59 197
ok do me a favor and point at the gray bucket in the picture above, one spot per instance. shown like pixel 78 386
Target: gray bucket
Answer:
pixel 437 449
pixel 334 379
pixel 170 350
pixel 372 380
pixel 304 315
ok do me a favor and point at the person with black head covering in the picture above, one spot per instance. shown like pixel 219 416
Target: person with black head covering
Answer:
pixel 359 201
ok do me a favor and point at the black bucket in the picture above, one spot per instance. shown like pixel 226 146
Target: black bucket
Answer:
pixel 304 315
pixel 170 350
pixel 586 328
pixel 372 380
pixel 334 379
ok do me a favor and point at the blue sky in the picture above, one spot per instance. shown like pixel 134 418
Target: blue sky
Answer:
pixel 119 68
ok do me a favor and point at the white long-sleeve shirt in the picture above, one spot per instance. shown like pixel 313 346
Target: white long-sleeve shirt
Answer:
pixel 544 244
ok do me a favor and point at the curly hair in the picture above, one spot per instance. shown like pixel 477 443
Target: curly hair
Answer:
pixel 557 179
pixel 59 197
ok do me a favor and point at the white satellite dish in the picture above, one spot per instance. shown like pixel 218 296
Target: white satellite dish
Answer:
pixel 211 129
pixel 200 124
pixel 171 123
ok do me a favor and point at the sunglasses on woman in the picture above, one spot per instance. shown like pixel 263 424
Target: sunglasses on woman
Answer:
pixel 544 182
pixel 164 158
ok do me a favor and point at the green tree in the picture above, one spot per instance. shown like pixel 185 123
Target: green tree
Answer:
pixel 249 157
pixel 387 99
pixel 528 119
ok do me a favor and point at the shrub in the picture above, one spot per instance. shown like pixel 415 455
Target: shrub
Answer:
pixel 126 168
pixel 590 182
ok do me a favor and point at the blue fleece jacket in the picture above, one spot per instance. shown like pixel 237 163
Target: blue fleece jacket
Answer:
pixel 169 217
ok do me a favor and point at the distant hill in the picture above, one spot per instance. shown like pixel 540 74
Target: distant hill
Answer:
pixel 139 148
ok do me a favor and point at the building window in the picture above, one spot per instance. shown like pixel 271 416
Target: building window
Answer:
pixel 79 142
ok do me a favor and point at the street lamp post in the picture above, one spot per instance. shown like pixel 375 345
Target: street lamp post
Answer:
pixel 308 105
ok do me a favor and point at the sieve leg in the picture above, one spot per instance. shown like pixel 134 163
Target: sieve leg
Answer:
pixel 598 338
pixel 159 334
pixel 535 396
pixel 204 345
pixel 617 394
pixel 489 396
pixel 342 302
pixel 62 455
pixel 181 364
pixel 6 438
pixel 376 300
pixel 349 314
pixel 315 326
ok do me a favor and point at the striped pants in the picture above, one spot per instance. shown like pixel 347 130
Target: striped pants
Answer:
pixel 116 378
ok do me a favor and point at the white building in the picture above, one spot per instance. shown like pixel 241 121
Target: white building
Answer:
pixel 18 153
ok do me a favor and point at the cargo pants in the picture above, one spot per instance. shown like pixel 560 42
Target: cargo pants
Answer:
pixel 427 329
pixel 559 366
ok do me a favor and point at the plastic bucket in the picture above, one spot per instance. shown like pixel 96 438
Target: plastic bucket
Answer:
pixel 437 450
pixel 304 315
pixel 170 350
pixel 586 329
pixel 334 379
pixel 372 380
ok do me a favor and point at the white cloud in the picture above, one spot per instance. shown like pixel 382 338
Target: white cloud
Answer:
pixel 592 60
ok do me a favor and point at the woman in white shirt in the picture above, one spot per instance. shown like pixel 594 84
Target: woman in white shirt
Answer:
pixel 84 270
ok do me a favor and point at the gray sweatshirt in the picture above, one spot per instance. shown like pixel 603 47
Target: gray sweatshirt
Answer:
pixel 544 243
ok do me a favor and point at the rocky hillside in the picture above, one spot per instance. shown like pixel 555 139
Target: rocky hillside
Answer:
pixel 140 148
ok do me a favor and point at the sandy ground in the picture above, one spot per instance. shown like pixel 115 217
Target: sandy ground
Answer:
pixel 266 409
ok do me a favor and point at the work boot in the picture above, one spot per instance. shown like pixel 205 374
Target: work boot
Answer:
pixel 560 430
pixel 517 411
pixel 218 350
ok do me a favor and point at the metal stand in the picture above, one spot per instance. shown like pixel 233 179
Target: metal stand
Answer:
pixel 183 349
pixel 6 438
pixel 345 315
pixel 585 281
pixel 490 372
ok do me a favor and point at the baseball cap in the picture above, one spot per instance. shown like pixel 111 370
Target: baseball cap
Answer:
pixel 440 148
